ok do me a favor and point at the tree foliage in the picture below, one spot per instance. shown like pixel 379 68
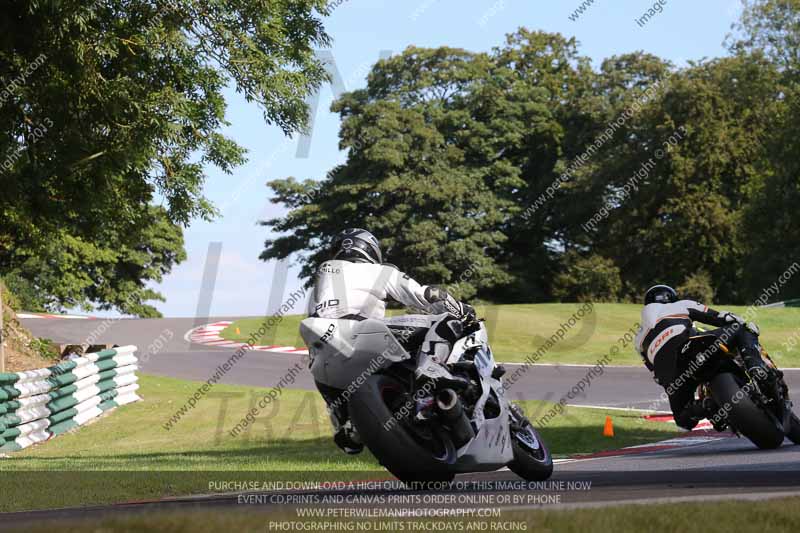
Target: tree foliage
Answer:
pixel 113 107
pixel 590 279
pixel 771 29
pixel 698 287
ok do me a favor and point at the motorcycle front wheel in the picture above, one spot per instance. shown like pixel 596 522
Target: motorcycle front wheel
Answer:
pixel 381 409
pixel 532 460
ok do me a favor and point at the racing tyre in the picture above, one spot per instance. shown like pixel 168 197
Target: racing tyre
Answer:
pixel 761 427
pixel 532 460
pixel 415 455
pixel 794 429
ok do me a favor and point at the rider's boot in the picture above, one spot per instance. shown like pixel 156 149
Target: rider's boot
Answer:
pixel 697 410
pixel 713 414
pixel 348 439
pixel 692 413
pixel 344 434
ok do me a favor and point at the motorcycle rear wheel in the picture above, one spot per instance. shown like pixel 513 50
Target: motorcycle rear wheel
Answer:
pixel 372 409
pixel 759 426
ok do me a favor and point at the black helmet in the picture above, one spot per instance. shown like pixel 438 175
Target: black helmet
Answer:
pixel 660 294
pixel 357 245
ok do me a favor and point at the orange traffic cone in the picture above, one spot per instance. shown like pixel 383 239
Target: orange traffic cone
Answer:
pixel 237 331
pixel 608 429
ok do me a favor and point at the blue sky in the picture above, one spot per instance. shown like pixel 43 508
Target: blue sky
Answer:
pixel 361 29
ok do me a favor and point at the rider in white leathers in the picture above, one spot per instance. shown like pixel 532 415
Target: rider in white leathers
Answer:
pixel 355 285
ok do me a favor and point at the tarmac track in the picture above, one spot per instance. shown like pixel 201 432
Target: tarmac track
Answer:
pixel 619 387
pixel 716 466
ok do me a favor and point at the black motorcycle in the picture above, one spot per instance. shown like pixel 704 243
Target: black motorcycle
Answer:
pixel 740 403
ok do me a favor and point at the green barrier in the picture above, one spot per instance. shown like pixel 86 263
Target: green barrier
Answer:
pixel 63 427
pixel 62 403
pixel 64 393
pixel 8 379
pixel 108 404
pixel 63 415
pixel 9 420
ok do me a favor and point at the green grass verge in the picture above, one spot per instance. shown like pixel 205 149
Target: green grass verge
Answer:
pixel 128 455
pixel 516 331
pixel 775 515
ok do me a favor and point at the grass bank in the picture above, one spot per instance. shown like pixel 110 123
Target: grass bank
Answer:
pixel 519 330
pixel 128 455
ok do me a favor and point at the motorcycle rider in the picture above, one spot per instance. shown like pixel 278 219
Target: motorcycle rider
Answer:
pixel 667 325
pixel 354 285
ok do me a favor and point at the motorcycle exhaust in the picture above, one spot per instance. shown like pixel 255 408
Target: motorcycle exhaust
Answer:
pixel 453 413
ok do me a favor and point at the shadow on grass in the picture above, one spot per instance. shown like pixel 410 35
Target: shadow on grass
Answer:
pixel 253 455
pixel 63 481
pixel 60 481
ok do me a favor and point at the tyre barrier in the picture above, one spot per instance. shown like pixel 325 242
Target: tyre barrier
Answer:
pixel 37 405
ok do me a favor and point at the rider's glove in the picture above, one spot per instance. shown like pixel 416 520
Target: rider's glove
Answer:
pixel 730 317
pixel 469 312
pixel 442 302
pixel 448 305
pixel 753 328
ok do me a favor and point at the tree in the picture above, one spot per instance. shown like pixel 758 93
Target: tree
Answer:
pixel 549 114
pixel 416 175
pixel 111 107
pixel 443 148
pixel 65 273
pixel 770 29
pixel 593 278
pixel 698 287
pixel 691 156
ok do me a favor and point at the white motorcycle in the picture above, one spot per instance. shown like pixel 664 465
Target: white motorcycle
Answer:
pixel 425 420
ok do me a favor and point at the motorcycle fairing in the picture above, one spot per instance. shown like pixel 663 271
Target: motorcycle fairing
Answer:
pixel 342 350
